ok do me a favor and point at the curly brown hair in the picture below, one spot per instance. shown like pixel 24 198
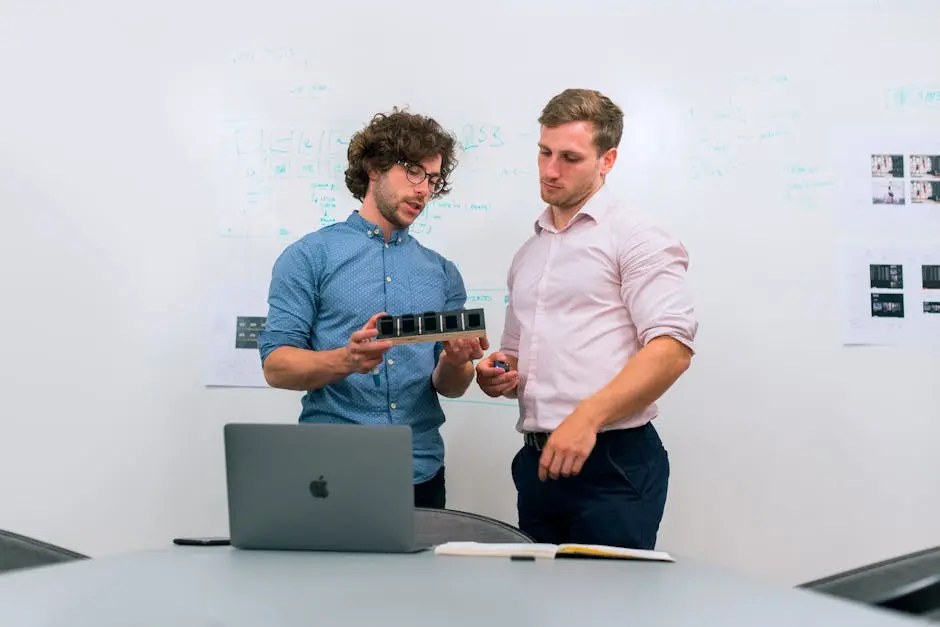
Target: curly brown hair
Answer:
pixel 395 136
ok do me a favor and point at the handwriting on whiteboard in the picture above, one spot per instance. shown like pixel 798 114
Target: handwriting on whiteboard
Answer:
pixel 913 96
pixel 280 169
pixel 804 184
pixel 322 153
pixel 753 114
pixel 477 136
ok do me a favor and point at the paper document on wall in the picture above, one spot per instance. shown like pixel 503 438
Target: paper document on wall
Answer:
pixel 892 294
pixel 234 360
pixel 549 551
pixel 891 254
pixel 892 186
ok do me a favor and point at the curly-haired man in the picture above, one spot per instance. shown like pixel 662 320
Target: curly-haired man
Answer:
pixel 328 289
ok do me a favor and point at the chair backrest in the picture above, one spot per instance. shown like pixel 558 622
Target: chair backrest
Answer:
pixel 908 583
pixel 436 526
pixel 18 552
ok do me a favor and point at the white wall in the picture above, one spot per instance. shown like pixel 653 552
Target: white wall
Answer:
pixel 793 456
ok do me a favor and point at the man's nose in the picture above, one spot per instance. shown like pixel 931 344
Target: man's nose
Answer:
pixel 423 188
pixel 551 169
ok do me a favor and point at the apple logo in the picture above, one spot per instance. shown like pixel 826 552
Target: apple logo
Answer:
pixel 318 488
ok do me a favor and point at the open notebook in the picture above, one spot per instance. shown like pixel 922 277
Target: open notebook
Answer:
pixel 549 551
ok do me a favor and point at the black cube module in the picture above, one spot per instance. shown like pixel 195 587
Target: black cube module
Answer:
pixel 407 325
pixel 432 326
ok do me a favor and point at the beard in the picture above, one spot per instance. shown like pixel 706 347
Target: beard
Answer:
pixel 567 198
pixel 387 205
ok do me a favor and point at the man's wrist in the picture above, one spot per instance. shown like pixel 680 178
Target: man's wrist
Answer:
pixel 450 379
pixel 590 413
pixel 342 365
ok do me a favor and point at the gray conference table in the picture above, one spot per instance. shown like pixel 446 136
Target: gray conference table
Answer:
pixel 222 586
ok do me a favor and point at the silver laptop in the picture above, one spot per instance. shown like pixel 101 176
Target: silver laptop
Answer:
pixel 320 487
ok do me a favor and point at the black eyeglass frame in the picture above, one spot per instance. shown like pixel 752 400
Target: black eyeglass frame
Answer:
pixel 416 174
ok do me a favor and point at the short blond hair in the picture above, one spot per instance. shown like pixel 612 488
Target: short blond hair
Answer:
pixel 586 105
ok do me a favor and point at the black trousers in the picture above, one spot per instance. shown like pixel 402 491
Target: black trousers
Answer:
pixel 432 493
pixel 617 499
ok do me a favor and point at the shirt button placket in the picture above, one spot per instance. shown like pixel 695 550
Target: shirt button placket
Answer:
pixel 539 314
pixel 540 296
pixel 390 298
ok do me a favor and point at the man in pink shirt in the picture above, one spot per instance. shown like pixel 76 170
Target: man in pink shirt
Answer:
pixel 600 323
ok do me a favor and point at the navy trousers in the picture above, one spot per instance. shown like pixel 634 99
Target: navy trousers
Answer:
pixel 617 499
pixel 433 492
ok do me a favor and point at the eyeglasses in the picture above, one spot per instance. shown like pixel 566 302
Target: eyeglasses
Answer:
pixel 416 175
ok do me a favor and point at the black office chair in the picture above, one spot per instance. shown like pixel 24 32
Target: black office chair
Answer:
pixel 908 583
pixel 436 526
pixel 18 552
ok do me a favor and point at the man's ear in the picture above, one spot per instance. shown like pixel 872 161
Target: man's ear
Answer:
pixel 608 161
pixel 373 172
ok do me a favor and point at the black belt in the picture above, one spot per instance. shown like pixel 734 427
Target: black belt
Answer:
pixel 535 439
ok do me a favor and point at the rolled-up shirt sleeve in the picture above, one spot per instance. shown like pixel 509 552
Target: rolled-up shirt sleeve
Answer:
pixel 654 287
pixel 509 342
pixel 292 303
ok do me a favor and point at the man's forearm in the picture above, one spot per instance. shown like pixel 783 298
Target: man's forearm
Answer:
pixel 644 379
pixel 452 381
pixel 291 368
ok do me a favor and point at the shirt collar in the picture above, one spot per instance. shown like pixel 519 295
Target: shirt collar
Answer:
pixel 355 220
pixel 595 209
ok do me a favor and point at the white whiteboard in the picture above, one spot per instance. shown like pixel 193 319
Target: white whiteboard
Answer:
pixel 135 138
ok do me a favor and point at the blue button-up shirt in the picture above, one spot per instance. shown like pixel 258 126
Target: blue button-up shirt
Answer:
pixel 326 286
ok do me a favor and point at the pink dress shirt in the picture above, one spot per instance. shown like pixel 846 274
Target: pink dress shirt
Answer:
pixel 584 299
